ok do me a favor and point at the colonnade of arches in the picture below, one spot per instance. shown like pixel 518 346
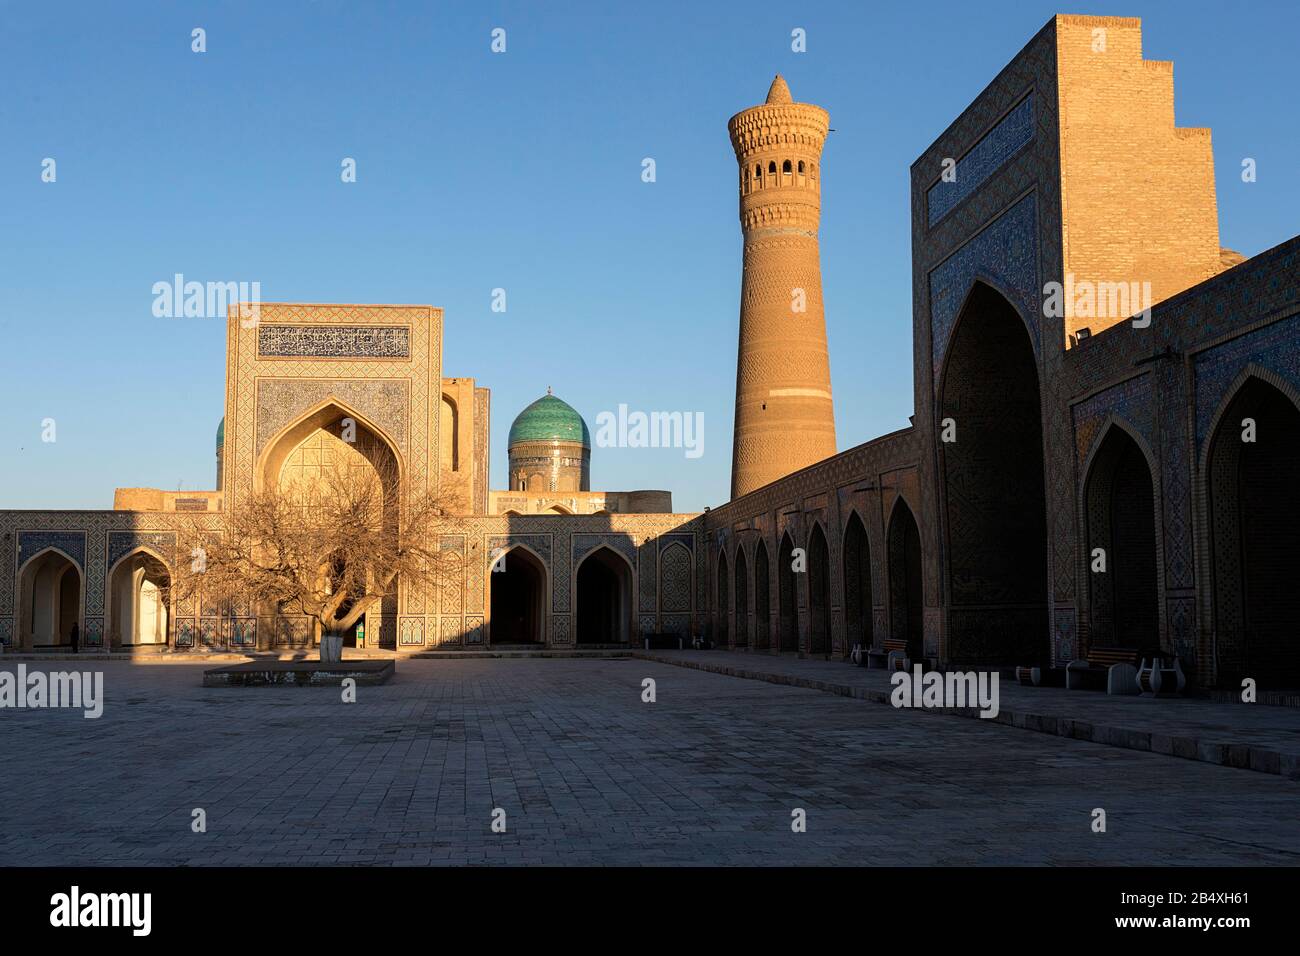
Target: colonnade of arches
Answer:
pixel 771 621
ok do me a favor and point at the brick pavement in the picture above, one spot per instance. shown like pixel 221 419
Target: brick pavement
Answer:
pixel 588 774
pixel 1248 736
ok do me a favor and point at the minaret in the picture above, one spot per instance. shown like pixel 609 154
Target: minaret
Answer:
pixel 784 416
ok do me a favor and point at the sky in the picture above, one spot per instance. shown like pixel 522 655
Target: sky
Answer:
pixel 519 171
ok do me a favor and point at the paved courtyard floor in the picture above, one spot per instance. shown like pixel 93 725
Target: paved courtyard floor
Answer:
pixel 589 774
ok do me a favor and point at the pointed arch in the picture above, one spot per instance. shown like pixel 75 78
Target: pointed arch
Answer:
pixel 855 567
pixel 906 594
pixel 518 589
pixel 137 599
pixel 742 636
pixel 603 597
pixel 992 488
pixel 787 596
pixel 722 584
pixel 1119 505
pixel 819 591
pixel 51 591
pixel 449 434
pixel 325 413
pixel 1251 459
pixel 762 597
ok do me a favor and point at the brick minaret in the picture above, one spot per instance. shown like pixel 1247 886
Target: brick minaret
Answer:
pixel 784 416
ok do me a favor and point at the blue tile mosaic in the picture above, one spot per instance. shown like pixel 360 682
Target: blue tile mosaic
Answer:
pixel 983 160
pixel 1273 347
pixel 71 543
pixel 1004 252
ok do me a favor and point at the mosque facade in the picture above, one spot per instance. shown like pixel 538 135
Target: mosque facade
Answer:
pixel 1106 428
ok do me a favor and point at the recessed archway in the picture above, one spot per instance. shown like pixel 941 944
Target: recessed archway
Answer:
pixel 819 592
pixel 857 583
pixel 762 599
pixel 787 596
pixel 724 602
pixel 1119 518
pixel 995 512
pixel 138 601
pixel 50 585
pixel 604 598
pixel 742 599
pixel 1253 460
pixel 906 599
pixel 517 598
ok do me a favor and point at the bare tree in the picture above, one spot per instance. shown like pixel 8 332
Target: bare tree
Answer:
pixel 328 549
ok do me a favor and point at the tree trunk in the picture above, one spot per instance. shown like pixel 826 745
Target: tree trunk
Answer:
pixel 331 647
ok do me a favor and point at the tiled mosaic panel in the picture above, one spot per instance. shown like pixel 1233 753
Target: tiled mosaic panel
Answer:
pixel 333 341
pixel 71 543
pixel 1275 347
pixel 985 158
pixel 1005 253
pixel 122 543
pixel 280 402
pixel 1130 401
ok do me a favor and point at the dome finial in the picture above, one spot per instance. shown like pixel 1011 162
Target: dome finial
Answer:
pixel 779 92
pixel 548 390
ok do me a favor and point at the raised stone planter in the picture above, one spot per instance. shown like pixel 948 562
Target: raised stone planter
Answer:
pixel 298 673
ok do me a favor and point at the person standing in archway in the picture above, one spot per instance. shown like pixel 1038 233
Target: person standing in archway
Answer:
pixel 75 636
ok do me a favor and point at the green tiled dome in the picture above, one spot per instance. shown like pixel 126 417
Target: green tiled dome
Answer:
pixel 549 419
pixel 221 434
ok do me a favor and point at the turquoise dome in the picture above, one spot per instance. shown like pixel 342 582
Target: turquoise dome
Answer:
pixel 549 419
pixel 221 434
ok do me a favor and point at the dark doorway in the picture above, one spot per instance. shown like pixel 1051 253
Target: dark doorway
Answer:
pixel 905 594
pixel 995 509
pixel 604 600
pixel 819 592
pixel 788 594
pixel 762 599
pixel 724 602
pixel 742 599
pixel 1120 515
pixel 1255 528
pixel 517 585
pixel 857 583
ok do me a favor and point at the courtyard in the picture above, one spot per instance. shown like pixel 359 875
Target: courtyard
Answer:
pixel 589 774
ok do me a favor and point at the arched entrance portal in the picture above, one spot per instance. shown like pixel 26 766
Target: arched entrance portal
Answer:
pixel 905 594
pixel 517 602
pixel 857 583
pixel 819 592
pixel 50 585
pixel 1120 519
pixel 787 596
pixel 604 598
pixel 139 596
pixel 762 600
pixel 1254 526
pixel 334 451
pixel 742 599
pixel 995 509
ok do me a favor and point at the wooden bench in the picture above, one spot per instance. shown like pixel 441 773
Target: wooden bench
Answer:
pixel 1113 669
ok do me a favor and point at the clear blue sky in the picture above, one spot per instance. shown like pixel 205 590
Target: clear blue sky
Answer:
pixel 520 171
